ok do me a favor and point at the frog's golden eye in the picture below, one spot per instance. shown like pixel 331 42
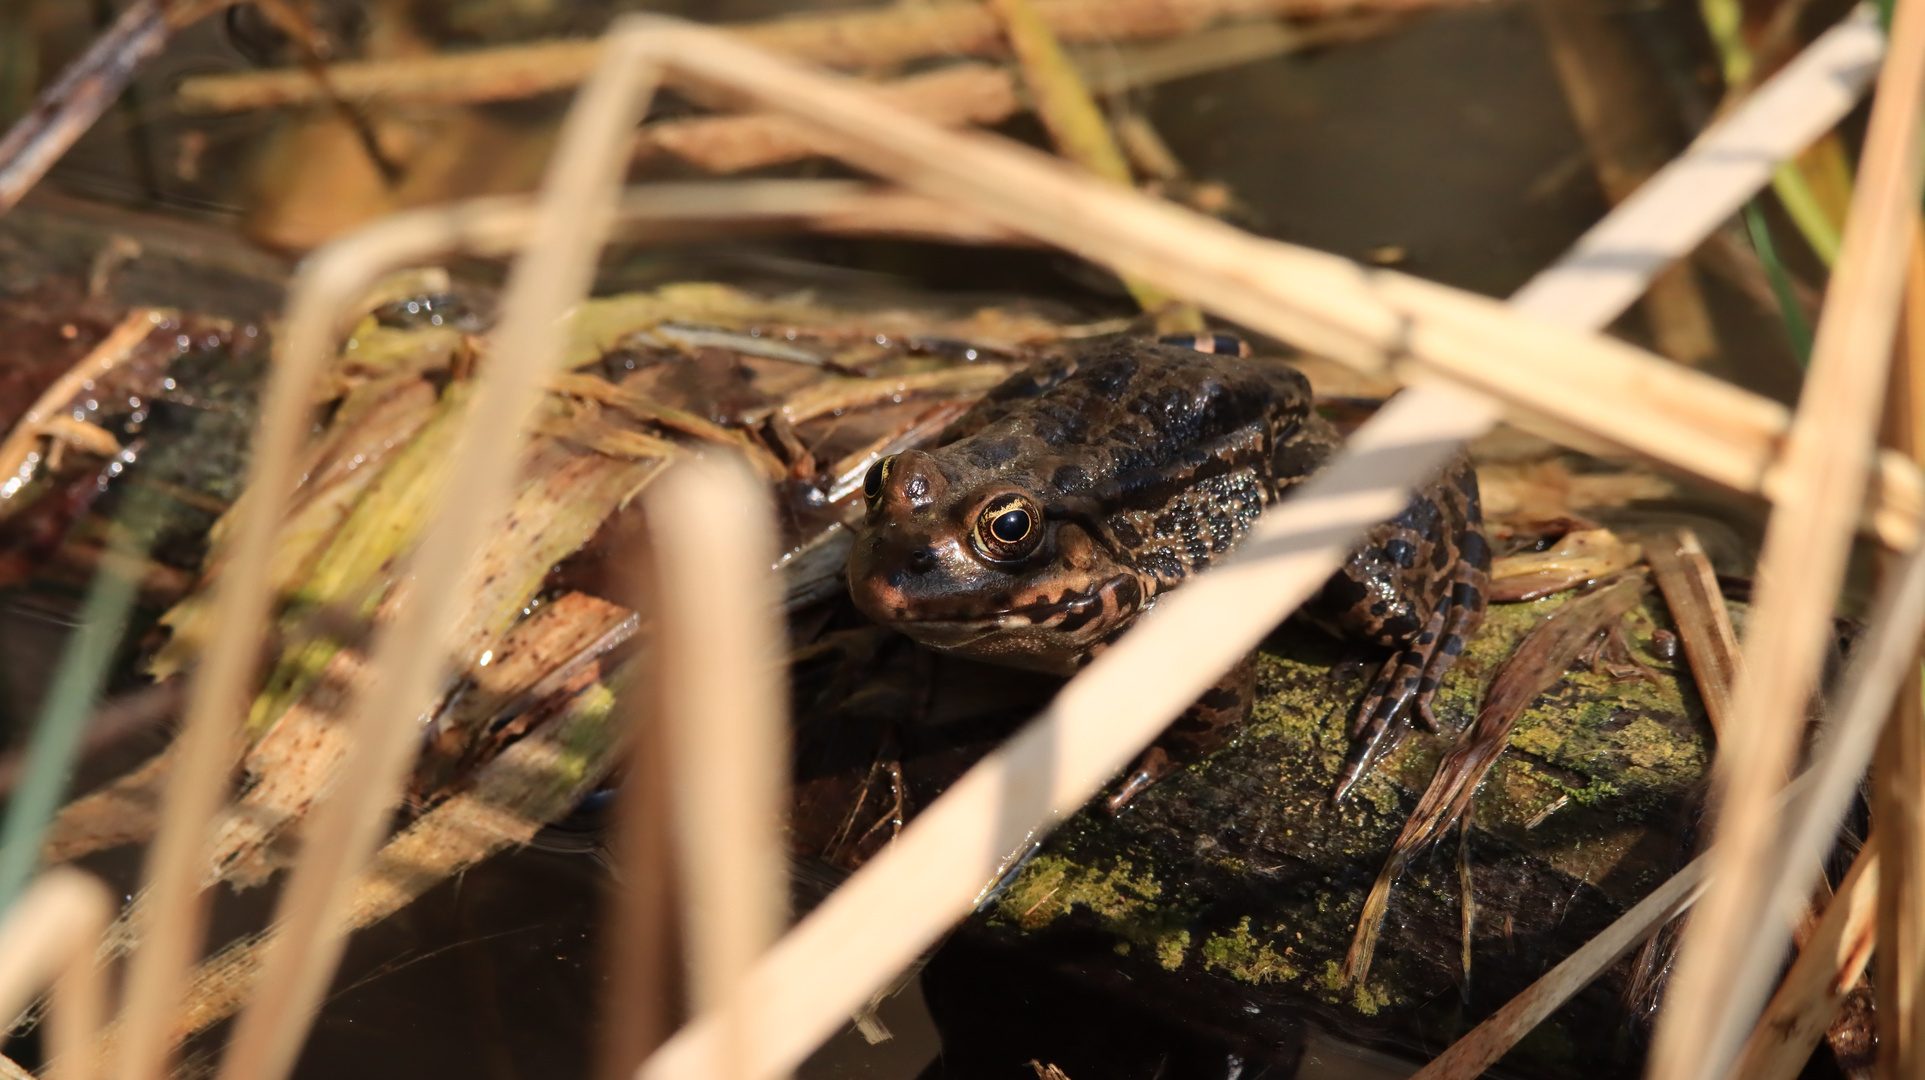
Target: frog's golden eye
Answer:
pixel 877 475
pixel 1008 528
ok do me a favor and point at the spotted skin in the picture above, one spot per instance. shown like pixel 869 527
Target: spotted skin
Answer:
pixel 1083 488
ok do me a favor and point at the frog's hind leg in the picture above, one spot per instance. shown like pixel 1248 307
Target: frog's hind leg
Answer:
pixel 1469 586
pixel 1204 727
pixel 1410 678
pixel 1394 689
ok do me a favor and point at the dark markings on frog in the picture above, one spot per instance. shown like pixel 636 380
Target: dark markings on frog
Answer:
pixel 1082 488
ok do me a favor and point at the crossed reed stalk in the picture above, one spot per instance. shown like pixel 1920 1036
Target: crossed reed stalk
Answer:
pixel 762 1003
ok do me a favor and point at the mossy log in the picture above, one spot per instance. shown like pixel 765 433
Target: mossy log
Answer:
pixel 1225 898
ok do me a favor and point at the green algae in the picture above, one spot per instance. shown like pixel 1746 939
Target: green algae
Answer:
pixel 1244 957
pixel 1170 949
pixel 1050 886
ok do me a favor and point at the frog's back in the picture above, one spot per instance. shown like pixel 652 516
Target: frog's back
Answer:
pixel 1167 454
pixel 1130 416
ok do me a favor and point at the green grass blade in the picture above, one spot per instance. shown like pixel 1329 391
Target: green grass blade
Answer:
pixel 76 686
pixel 1796 326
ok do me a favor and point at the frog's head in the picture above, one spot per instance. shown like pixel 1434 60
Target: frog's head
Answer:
pixel 976 561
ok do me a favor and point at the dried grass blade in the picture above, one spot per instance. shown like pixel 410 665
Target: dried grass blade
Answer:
pixel 719 670
pixel 1080 131
pixel 113 350
pixel 578 200
pixel 1899 775
pixel 71 104
pixel 1368 319
pixel 56 739
pixel 53 933
pixel 1723 965
pixel 1825 971
pixel 1690 588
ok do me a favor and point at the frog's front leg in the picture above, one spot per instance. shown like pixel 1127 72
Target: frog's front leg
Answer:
pixel 1417 586
pixel 1203 729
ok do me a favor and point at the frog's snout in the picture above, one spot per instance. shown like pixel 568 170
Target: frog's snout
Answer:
pixel 884 571
pixel 910 482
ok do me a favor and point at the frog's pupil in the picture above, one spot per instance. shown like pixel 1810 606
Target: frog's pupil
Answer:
pixel 1010 527
pixel 872 482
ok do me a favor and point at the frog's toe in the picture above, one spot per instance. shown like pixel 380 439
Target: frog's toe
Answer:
pixel 1422 711
pixel 1395 687
pixel 1154 765
pixel 1361 756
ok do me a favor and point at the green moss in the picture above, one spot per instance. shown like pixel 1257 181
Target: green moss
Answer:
pixel 1052 884
pixel 1242 956
pixel 1170 949
pixel 1365 997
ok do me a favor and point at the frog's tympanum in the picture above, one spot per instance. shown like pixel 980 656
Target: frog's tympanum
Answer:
pixel 1081 489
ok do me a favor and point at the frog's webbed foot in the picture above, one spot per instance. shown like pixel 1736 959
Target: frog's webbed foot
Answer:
pixel 1408 682
pixel 1203 728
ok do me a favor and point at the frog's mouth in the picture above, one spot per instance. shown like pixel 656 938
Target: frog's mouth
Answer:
pixel 951 633
pixel 1073 611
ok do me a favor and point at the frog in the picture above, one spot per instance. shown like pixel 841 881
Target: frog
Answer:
pixel 1054 513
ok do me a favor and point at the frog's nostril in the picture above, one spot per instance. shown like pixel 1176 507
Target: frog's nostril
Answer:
pixel 922 560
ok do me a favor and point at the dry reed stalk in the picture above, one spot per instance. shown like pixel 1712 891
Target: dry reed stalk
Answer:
pixel 1373 320
pixel 1899 830
pixel 952 96
pixel 52 935
pixel 1690 588
pixel 1723 965
pixel 71 103
pixel 719 666
pixel 1827 968
pixel 638 1005
pixel 17 453
pixel 1479 1049
pixel 1881 664
pixel 1613 96
pixel 869 38
pixel 577 202
pixel 1080 132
